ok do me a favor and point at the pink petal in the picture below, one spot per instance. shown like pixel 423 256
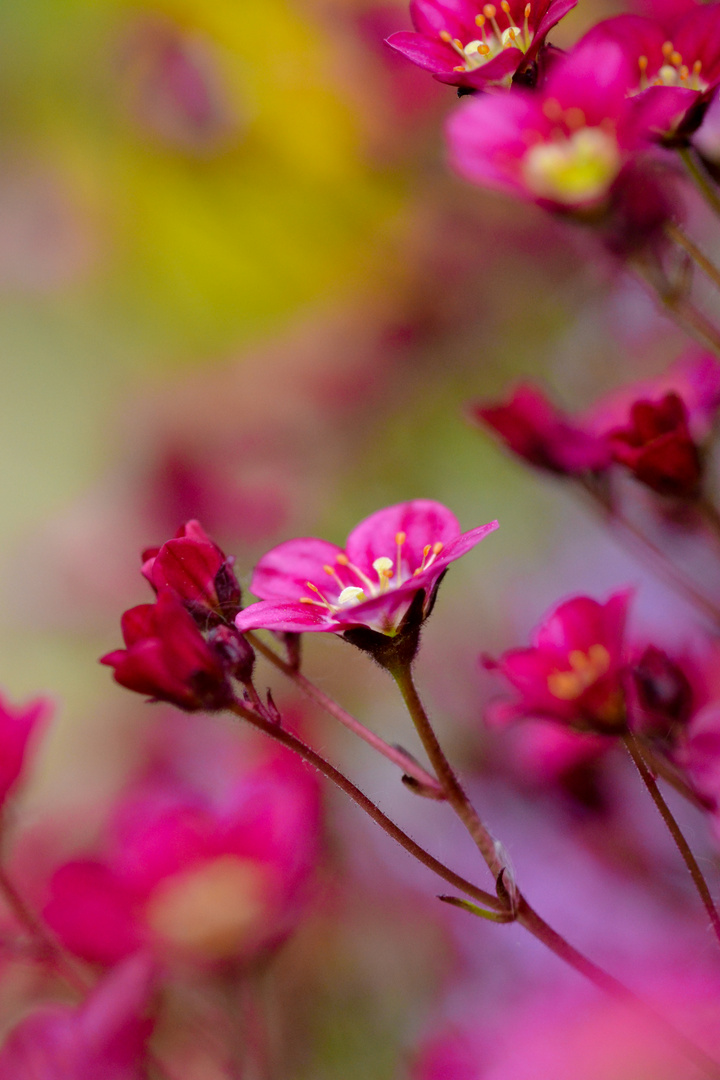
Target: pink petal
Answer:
pixel 431 55
pixel 282 573
pixel 291 618
pixel 422 520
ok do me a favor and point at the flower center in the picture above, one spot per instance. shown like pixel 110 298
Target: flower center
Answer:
pixel 492 38
pixel 585 670
pixel 576 165
pixel 673 72
pixel 388 574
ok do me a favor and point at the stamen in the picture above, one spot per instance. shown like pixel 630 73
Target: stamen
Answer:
pixel 643 65
pixel 384 570
pixel 344 561
pixel 351 595
pixel 668 49
pixel 324 601
pixel 400 539
pixel 526 25
pixel 332 572
pixel 676 59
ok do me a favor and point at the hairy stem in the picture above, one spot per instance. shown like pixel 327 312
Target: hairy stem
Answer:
pixel 674 829
pixel 410 767
pixel 281 735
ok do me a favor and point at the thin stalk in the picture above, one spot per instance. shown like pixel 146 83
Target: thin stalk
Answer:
pixel 682 311
pixel 674 829
pixel 662 768
pixel 700 179
pixel 710 516
pixel 454 791
pixel 409 766
pixel 700 259
pixel 345 784
pixel 661 564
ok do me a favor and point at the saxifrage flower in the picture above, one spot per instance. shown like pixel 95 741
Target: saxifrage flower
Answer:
pixel 314 585
pixel 466 43
pixel 198 571
pixel 573 671
pixel 565 145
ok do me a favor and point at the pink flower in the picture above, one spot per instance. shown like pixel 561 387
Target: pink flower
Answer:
pixel 207 873
pixel 167 657
pixel 534 429
pixel 679 54
pixel 104 1037
pixel 466 43
pixel 396 553
pixel 564 145
pixel 196 569
pixel 17 725
pixel 656 446
pixel 573 672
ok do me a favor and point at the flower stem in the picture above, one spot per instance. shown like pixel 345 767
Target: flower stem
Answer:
pixel 663 567
pixel 454 791
pixel 410 767
pixel 682 310
pixel 681 843
pixel 281 735
pixel 701 260
pixel 700 178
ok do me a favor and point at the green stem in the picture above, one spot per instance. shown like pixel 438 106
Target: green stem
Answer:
pixel 700 178
pixel 386 824
pixel 674 829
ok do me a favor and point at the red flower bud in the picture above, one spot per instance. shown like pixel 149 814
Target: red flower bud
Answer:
pixel 658 448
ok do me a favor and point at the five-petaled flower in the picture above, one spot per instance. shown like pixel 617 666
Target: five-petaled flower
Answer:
pixel 466 43
pixel 564 145
pixel 396 553
pixel 573 671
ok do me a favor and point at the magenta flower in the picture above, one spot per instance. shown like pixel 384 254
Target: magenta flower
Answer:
pixel 196 569
pixel 167 657
pixel 204 876
pixel 679 53
pixel 466 43
pixel 573 672
pixel 564 145
pixel 396 553
pixel 105 1037
pixel 535 430
pixel 18 723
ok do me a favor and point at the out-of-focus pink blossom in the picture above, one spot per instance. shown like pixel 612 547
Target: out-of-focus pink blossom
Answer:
pixel 679 53
pixel 313 585
pixel 17 725
pixel 534 429
pixel 564 145
pixel 657 447
pixel 167 657
pixel 466 43
pixel 573 670
pixel 206 877
pixel 194 567
pixel 102 1039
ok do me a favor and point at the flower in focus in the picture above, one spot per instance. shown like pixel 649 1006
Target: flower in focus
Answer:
pixel 534 429
pixel 563 146
pixel 104 1037
pixel 17 724
pixel 196 569
pixel 574 669
pixel 203 872
pixel 677 56
pixel 392 556
pixel 468 44
pixel 657 447
pixel 167 658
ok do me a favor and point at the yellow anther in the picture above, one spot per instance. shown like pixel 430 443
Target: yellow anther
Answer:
pixel 504 6
pixel 445 36
pixel 400 538
pixel 489 11
pixel 684 72
pixel 528 9
pixel 458 44
pixel 643 63
pixel 342 559
pixel 552 109
pixel 676 59
pixel 697 67
pixel 668 49
pixel 480 21
pixel 437 547
pixel 574 118
pixel 329 570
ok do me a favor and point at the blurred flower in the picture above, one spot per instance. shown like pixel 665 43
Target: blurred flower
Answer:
pixel 534 429
pixel 17 724
pixel 573 670
pixel 313 585
pixel 466 44
pixel 168 658
pixel 656 446
pixel 197 571
pixel 206 876
pixel 104 1037
pixel 667 691
pixel 678 53
pixel 563 146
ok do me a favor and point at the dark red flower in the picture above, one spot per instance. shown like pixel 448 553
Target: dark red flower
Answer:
pixel 658 448
pixel 198 571
pixel 168 658
pixel 534 429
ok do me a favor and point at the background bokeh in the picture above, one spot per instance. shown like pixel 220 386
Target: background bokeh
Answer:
pixel 238 283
